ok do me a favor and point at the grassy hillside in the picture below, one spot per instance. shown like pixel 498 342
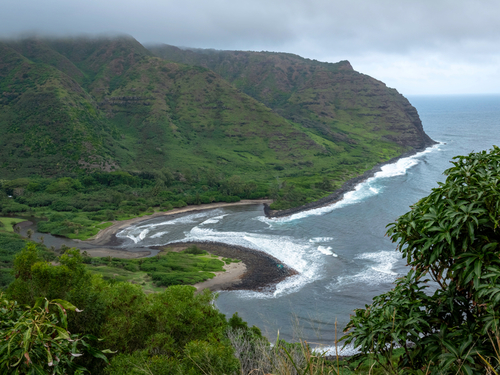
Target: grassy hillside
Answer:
pixel 293 127
pixel 333 100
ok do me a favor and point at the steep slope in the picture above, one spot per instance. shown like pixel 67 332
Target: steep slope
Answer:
pixel 331 99
pixel 48 124
pixel 72 105
pixel 149 113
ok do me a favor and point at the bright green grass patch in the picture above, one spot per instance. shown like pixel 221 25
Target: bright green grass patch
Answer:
pixel 122 275
pixel 189 267
pixel 6 223
pixel 90 232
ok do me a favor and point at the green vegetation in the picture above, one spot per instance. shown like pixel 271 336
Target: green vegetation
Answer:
pixel 10 245
pixel 79 207
pixel 441 318
pixel 174 332
pixel 71 107
pixel 188 267
pixel 37 341
pixel 99 130
pixel 445 313
pixel 7 223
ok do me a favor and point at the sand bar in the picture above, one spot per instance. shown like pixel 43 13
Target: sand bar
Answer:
pixel 262 271
pixel 105 236
pixel 224 279
pixel 102 252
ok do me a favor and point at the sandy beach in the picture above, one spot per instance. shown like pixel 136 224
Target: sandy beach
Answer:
pixel 105 236
pixel 256 271
pixel 102 252
pixel 227 279
pixel 262 271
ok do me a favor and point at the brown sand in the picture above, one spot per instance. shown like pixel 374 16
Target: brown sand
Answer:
pixel 106 235
pixel 101 252
pixel 256 271
pixel 222 280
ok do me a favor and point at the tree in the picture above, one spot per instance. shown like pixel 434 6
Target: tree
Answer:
pixel 445 313
pixel 70 280
pixel 173 332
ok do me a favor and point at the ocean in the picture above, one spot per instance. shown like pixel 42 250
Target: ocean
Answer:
pixel 341 252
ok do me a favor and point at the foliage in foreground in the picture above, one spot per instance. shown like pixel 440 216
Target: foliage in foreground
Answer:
pixel 446 311
pixel 10 245
pixel 36 340
pixel 176 329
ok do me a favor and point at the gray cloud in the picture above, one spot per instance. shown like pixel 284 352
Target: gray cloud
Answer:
pixel 378 37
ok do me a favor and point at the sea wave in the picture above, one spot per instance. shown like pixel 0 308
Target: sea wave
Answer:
pixel 298 255
pixel 321 239
pixel 327 250
pixel 346 351
pixel 214 220
pixel 378 270
pixel 138 233
pixel 362 190
pixel 159 234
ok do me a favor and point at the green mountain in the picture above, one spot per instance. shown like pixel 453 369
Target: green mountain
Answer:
pixel 332 100
pixel 70 106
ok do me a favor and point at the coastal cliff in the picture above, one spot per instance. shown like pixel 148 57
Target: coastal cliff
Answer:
pixel 331 99
pixel 204 125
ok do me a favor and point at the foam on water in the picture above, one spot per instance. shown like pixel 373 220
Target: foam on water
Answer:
pixel 138 238
pixel 378 271
pixel 326 251
pixel 340 350
pixel 291 251
pixel 137 233
pixel 159 234
pixel 213 220
pixel 361 191
pixel 320 239
pixel 193 218
pixel 385 261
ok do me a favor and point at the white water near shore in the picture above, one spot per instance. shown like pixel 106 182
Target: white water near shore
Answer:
pixel 364 189
pixel 305 256
pixel 340 251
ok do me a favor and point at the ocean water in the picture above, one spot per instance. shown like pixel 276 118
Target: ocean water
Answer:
pixel 341 252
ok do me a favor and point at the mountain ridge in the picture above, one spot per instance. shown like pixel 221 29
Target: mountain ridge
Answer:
pixel 301 82
pixel 74 105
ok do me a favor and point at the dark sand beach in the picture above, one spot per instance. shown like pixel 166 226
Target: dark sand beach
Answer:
pixel 257 271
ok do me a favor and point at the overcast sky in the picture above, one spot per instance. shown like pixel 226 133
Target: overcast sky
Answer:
pixel 415 46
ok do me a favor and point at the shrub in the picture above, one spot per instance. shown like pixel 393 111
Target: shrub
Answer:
pixel 61 205
pixel 451 238
pixel 179 204
pixel 195 250
pixel 12 207
pixel 36 340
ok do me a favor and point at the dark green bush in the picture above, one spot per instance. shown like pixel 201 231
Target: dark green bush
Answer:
pixel 195 250
pixel 12 207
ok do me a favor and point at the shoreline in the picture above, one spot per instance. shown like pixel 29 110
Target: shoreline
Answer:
pixel 262 271
pixel 257 270
pixel 338 194
pixel 107 236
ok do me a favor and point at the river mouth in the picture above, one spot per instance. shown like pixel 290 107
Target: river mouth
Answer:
pixel 328 288
pixel 56 242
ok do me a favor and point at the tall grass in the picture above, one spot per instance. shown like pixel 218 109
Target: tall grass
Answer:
pixel 258 357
